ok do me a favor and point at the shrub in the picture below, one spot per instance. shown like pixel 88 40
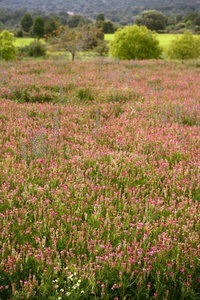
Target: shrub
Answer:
pixel 36 49
pixel 20 34
pixel 134 42
pixel 184 47
pixel 7 48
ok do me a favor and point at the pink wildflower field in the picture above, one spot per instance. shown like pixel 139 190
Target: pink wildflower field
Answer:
pixel 99 180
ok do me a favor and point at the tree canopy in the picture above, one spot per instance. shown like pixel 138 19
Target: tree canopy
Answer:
pixel 185 47
pixel 38 28
pixel 152 19
pixel 73 40
pixel 7 48
pixel 134 42
pixel 75 21
pixel 100 17
pixel 26 22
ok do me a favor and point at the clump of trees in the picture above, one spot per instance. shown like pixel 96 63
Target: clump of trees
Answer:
pixel 152 19
pixel 7 49
pixel 106 25
pixel 135 42
pixel 184 47
pixel 179 23
pixel 40 25
pixel 75 21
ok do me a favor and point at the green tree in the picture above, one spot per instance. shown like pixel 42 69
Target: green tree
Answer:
pixel 191 16
pixel 197 21
pixel 50 26
pixel 91 36
pixel 7 49
pixel 73 40
pixel 75 21
pixel 26 22
pixel 152 19
pixel 63 17
pixel 108 27
pixel 102 48
pixel 184 47
pixel 179 18
pixel 134 42
pixel 20 34
pixel 66 40
pixel 100 17
pixel 38 28
pixel 36 49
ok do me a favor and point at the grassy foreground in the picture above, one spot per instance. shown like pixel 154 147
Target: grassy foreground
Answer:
pixel 99 180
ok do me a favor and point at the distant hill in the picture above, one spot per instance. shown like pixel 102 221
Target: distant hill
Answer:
pixel 115 10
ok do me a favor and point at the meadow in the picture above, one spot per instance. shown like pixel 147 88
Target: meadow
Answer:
pixel 164 39
pixel 99 180
pixel 21 42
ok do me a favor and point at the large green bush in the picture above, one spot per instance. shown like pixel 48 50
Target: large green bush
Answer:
pixel 134 42
pixel 7 48
pixel 184 47
pixel 35 49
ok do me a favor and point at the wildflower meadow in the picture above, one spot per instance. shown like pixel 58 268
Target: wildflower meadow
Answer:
pixel 99 180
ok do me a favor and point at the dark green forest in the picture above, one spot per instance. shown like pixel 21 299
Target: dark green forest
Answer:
pixel 120 11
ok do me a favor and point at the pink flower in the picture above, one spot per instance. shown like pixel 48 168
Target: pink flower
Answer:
pixel 148 285
pixel 182 270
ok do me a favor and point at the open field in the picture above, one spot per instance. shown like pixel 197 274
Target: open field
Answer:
pixel 99 180
pixel 164 39
pixel 20 42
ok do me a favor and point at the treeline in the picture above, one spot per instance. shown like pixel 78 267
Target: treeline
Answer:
pixel 11 20
pixel 22 23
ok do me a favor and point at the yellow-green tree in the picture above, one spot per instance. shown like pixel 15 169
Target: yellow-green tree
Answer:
pixel 7 48
pixel 185 47
pixel 135 42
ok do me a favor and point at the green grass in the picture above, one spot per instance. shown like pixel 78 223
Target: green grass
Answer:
pixel 165 39
pixel 20 42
